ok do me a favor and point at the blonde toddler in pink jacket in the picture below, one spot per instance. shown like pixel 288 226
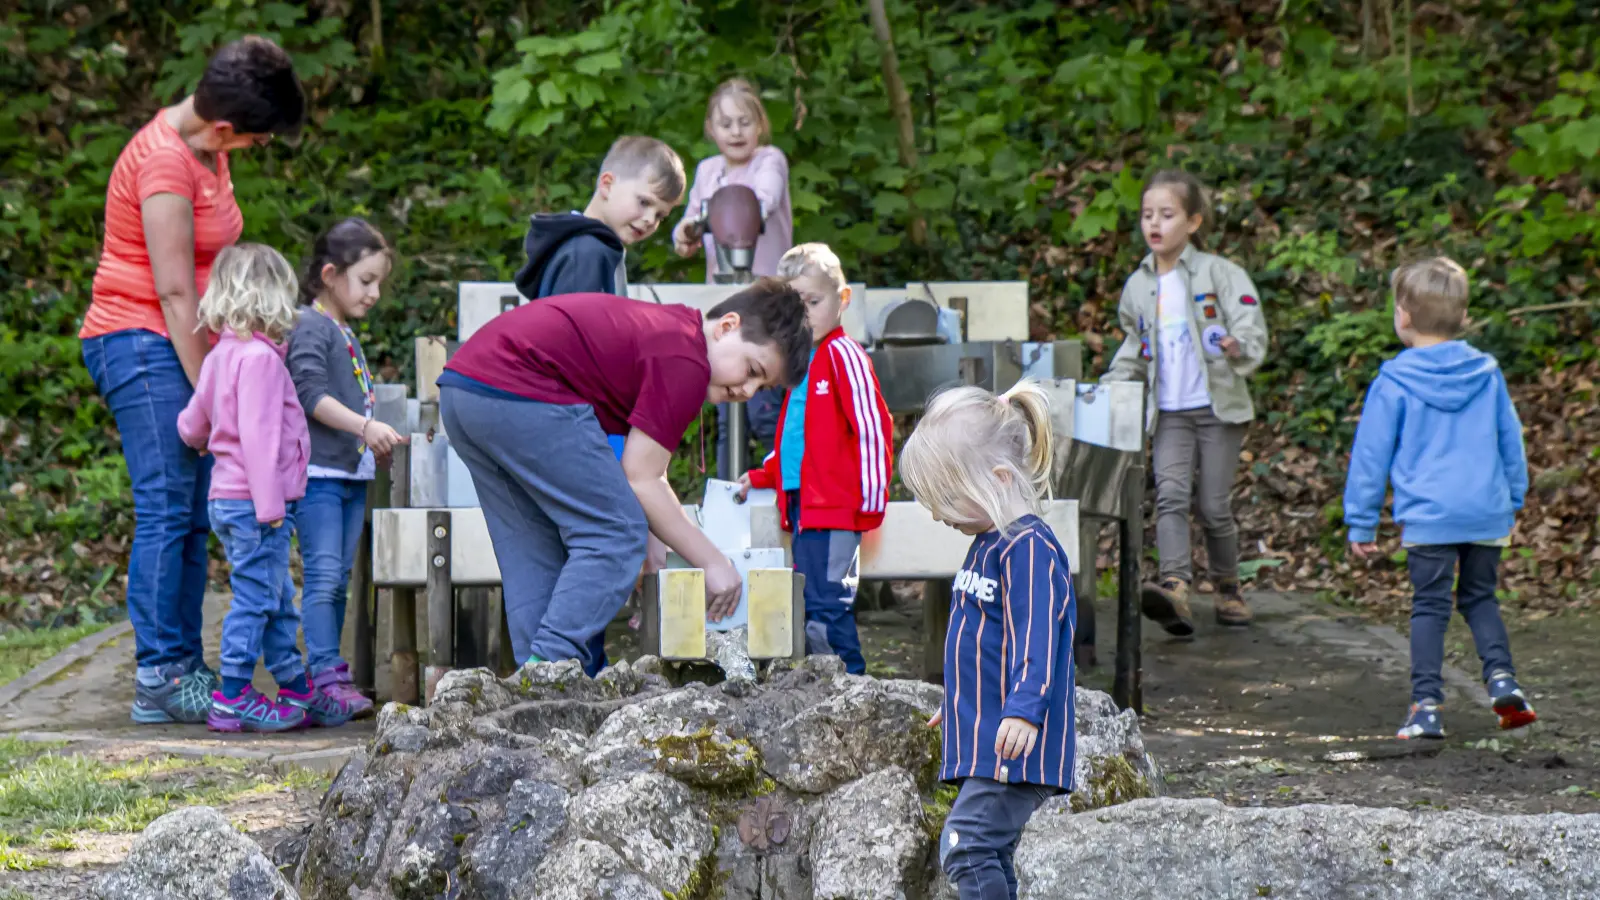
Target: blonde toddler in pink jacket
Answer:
pixel 246 414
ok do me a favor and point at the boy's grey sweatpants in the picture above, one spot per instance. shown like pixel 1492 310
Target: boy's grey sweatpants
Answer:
pixel 1196 452
pixel 568 532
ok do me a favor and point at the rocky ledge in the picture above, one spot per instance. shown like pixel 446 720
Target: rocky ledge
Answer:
pixel 550 785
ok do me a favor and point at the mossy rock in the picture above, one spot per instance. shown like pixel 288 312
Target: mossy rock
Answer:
pixel 1113 780
pixel 710 759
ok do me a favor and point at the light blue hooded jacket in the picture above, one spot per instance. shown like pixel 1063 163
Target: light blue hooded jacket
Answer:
pixel 1438 423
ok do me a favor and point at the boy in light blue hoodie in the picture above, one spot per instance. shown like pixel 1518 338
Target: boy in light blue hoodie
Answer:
pixel 1439 424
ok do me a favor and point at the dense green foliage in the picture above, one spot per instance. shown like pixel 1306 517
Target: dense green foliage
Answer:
pixel 1334 152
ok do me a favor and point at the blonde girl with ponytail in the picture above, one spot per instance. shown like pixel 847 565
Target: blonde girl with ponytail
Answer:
pixel 981 464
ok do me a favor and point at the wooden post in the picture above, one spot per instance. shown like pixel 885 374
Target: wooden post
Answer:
pixel 1087 586
pixel 431 355
pixel 361 656
pixel 477 633
pixel 441 602
pixel 1126 690
pixel 403 609
pixel 650 615
pixel 935 622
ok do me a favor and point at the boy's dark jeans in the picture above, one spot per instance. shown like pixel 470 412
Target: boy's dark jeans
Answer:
pixel 1433 572
pixel 981 833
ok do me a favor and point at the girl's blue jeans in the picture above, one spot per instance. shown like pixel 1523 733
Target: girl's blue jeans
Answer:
pixel 262 623
pixel 138 375
pixel 329 522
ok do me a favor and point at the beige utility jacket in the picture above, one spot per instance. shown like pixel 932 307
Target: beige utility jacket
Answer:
pixel 1224 298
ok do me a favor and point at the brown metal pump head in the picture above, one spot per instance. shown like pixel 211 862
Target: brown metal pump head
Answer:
pixel 733 215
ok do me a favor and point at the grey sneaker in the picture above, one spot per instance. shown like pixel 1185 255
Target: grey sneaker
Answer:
pixel 181 697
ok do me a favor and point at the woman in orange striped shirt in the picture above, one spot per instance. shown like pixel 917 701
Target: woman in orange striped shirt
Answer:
pixel 169 210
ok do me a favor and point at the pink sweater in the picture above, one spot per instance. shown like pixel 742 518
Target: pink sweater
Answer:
pixel 767 174
pixel 245 413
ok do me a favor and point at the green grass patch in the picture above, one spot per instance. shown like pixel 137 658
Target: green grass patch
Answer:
pixel 22 649
pixel 47 796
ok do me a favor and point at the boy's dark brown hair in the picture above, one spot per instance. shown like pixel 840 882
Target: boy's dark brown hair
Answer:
pixel 771 312
pixel 251 85
pixel 645 157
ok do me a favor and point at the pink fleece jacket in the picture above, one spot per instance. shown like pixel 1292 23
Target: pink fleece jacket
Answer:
pixel 245 413
pixel 767 173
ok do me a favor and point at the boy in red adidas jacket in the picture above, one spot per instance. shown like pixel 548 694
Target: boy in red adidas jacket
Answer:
pixel 833 455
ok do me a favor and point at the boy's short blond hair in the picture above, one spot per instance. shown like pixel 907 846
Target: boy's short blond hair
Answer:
pixel 252 288
pixel 636 156
pixel 813 259
pixel 1434 293
pixel 744 96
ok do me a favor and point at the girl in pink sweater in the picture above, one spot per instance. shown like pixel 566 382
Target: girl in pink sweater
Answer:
pixel 737 122
pixel 246 414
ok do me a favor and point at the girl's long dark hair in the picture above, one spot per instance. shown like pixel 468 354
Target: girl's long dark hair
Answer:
pixel 343 245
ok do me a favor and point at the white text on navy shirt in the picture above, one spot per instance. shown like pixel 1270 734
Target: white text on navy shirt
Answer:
pixel 970 582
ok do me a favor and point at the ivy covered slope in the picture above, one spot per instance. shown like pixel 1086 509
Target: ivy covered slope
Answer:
pixel 1340 138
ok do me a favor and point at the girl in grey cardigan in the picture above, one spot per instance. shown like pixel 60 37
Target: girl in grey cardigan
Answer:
pixel 348 264
pixel 1195 334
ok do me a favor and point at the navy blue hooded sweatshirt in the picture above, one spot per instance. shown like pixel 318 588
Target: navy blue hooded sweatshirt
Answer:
pixel 1438 423
pixel 569 253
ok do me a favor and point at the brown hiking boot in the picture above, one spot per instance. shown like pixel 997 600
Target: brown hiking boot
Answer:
pixel 1167 604
pixel 1230 607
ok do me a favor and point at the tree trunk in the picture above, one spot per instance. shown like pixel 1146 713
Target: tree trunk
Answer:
pixel 1369 36
pixel 900 104
pixel 377 30
pixel 1411 100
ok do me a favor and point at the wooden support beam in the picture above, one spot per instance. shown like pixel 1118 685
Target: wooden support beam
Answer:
pixel 403 606
pixel 360 608
pixel 441 602
pixel 935 623
pixel 1126 688
pixel 432 353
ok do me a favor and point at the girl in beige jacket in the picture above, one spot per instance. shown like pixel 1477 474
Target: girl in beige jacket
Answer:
pixel 1195 333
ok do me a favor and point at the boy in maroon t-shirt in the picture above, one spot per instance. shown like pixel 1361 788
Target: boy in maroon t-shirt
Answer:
pixel 528 402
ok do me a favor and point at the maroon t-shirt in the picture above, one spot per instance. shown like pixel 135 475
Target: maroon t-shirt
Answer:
pixel 640 365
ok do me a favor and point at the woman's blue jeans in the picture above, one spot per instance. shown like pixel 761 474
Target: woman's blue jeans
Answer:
pixel 138 374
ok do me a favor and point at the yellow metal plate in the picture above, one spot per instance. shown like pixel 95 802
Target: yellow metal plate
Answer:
pixel 683 613
pixel 771 612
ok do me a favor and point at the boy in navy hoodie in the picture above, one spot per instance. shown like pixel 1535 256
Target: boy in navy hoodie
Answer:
pixel 641 180
pixel 1438 422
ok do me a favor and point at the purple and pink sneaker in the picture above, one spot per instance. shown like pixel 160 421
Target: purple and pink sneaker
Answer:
pixel 252 711
pixel 334 699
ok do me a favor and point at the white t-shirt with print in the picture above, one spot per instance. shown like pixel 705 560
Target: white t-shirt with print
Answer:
pixel 1181 383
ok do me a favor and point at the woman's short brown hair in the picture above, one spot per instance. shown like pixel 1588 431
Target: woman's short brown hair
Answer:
pixel 744 95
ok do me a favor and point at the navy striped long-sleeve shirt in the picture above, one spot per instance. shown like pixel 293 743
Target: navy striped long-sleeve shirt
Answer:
pixel 1008 653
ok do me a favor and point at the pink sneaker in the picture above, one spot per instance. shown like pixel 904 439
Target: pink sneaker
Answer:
pixel 338 691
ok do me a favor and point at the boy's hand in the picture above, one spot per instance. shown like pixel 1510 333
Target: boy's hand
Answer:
pixel 1015 738
pixel 744 486
pixel 276 523
pixel 1364 550
pixel 1230 347
pixel 723 587
pixel 682 242
pixel 938 718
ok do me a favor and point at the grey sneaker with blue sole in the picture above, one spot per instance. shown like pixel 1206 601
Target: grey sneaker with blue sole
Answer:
pixel 182 697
